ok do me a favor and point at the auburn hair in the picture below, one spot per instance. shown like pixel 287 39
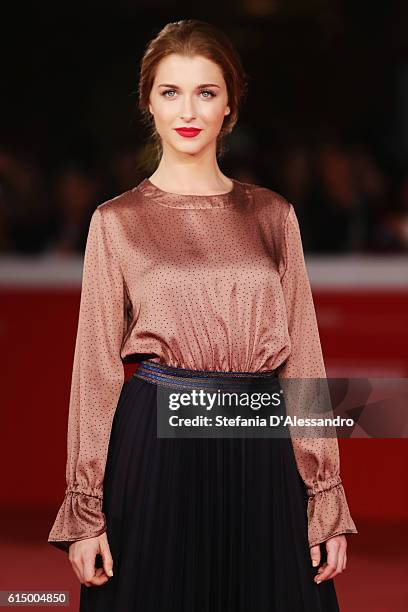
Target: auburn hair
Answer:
pixel 192 37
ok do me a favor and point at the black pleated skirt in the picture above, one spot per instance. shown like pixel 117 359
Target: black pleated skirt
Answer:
pixel 202 524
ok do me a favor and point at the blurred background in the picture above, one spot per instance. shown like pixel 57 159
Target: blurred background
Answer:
pixel 325 124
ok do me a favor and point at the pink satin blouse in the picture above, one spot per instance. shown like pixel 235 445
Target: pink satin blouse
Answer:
pixel 202 282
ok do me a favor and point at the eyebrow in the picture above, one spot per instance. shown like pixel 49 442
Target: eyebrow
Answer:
pixel 198 86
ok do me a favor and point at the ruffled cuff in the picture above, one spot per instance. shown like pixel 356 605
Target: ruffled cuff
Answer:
pixel 80 516
pixel 328 515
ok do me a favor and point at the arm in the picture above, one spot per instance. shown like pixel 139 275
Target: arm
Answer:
pixel 97 379
pixel 317 459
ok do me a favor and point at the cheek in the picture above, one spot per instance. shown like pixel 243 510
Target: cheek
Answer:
pixel 165 113
pixel 213 114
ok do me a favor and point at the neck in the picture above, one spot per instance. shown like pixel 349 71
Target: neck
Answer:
pixel 189 174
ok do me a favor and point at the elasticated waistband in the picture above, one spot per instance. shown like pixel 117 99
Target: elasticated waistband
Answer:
pixel 163 374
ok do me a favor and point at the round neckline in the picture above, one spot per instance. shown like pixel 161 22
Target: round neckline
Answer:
pixel 185 200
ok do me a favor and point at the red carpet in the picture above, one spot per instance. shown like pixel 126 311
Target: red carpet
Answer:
pixel 375 579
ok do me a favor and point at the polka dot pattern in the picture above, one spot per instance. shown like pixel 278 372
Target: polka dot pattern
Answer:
pixel 317 459
pixel 209 282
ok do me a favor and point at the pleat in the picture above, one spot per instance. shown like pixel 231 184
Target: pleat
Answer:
pixel 202 525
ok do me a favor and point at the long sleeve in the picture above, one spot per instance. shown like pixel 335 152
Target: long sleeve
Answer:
pixel 97 378
pixel 317 458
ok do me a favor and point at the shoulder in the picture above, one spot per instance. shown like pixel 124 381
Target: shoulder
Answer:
pixel 115 214
pixel 110 218
pixel 117 204
pixel 273 202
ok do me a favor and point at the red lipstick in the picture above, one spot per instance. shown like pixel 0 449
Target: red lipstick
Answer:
pixel 188 132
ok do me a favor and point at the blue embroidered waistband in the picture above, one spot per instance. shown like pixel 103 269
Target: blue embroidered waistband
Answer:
pixel 167 375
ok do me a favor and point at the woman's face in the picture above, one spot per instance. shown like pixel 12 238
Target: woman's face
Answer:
pixel 188 92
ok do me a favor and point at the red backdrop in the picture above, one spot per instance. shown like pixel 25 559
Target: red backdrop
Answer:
pixel 363 333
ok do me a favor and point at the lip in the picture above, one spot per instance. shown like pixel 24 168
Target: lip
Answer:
pixel 188 132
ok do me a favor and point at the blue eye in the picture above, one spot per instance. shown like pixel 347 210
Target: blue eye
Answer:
pixel 207 91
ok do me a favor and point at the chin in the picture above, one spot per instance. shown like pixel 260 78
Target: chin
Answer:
pixel 188 147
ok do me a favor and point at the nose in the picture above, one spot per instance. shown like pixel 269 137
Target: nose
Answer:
pixel 187 109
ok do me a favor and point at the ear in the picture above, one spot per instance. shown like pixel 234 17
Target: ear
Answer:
pixel 227 111
pixel 150 109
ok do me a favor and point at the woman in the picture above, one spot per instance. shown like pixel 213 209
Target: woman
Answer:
pixel 200 279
